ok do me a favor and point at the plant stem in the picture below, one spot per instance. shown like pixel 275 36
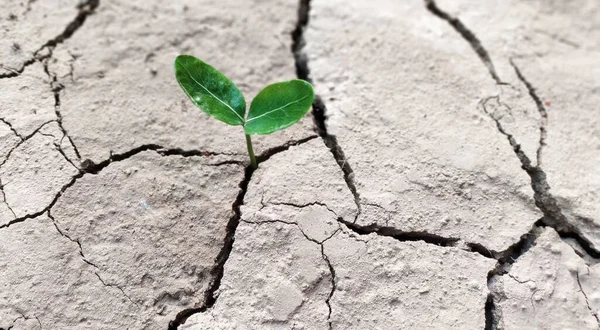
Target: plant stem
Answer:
pixel 251 152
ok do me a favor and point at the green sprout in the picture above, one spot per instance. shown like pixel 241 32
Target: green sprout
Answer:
pixel 274 108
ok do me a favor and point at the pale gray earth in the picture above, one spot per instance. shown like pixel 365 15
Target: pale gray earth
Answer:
pixel 447 177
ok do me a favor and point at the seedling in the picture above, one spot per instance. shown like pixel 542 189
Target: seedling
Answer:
pixel 274 108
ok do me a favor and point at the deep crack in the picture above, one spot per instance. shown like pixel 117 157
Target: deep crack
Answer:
pixel 402 236
pixel 516 250
pixel 493 314
pixel 210 297
pixel 544 200
pixel 319 109
pixel 468 35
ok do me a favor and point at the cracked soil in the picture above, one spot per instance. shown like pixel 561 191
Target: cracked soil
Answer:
pixel 447 177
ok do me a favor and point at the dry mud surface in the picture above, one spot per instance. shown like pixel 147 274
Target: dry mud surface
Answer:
pixel 448 176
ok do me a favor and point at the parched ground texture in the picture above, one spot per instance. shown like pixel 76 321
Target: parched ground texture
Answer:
pixel 447 177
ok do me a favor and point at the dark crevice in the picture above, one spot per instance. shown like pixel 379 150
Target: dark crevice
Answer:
pixel 85 9
pixel 584 244
pixel 482 250
pixel 319 113
pixel 544 200
pixel 54 200
pixel 319 109
pixel 70 239
pixel 217 272
pixel 489 313
pixel 493 314
pixel 298 41
pixel 21 317
pixel 491 323
pixel 403 236
pixel 468 35
pixel 273 221
pixel 191 153
pixel 508 257
pixel 16 72
pixel 516 250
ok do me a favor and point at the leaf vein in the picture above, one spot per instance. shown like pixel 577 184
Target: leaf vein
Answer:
pixel 268 112
pixel 213 95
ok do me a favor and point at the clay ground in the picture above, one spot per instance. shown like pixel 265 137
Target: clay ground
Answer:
pixel 447 177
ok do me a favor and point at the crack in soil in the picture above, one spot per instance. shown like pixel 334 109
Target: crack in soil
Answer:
pixel 322 248
pixel 319 109
pixel 333 284
pixel 4 199
pixel 97 269
pixel 62 152
pixel 544 200
pixel 405 236
pixel 553 216
pixel 402 236
pixel 56 88
pixel 505 260
pixel 541 109
pixel 595 315
pixel 23 140
pixel 89 167
pixel 84 10
pixel 493 313
pixel 468 35
pixel 24 317
pixel 10 126
pixel 210 296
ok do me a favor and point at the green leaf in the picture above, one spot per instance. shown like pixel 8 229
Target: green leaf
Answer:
pixel 278 106
pixel 210 90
